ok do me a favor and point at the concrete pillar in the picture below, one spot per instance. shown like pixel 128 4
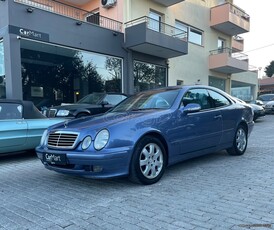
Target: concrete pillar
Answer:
pixel 12 66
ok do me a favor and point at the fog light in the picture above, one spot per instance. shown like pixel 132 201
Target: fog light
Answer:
pixel 97 168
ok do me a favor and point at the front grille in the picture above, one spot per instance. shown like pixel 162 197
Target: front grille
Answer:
pixel 64 140
pixel 51 112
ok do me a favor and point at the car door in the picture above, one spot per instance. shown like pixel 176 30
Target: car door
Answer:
pixel 230 116
pixel 200 130
pixel 13 128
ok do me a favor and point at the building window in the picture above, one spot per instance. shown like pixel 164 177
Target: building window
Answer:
pixel 53 75
pixel 181 30
pixel 155 20
pixel 217 82
pixel 221 45
pixel 93 17
pixel 194 35
pixel 2 71
pixel 149 76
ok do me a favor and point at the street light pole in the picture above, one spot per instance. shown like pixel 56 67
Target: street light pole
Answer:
pixel 259 78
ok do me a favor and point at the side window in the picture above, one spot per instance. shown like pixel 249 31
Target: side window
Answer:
pixel 198 96
pixel 114 99
pixel 218 100
pixel 10 111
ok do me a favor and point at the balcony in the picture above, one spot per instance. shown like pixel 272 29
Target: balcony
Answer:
pixel 73 12
pixel 229 19
pixel 149 36
pixel 237 44
pixel 167 3
pixel 224 61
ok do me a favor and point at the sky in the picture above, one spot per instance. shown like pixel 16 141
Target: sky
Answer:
pixel 259 41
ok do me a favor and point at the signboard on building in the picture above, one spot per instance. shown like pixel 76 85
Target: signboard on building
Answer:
pixel 28 33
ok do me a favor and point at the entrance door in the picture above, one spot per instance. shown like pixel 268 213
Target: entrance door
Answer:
pixel 155 21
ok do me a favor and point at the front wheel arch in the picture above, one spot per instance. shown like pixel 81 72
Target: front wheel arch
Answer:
pixel 82 114
pixel 158 136
pixel 146 166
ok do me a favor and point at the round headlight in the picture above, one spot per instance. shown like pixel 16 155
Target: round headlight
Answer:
pixel 86 142
pixel 44 137
pixel 101 139
pixel 63 113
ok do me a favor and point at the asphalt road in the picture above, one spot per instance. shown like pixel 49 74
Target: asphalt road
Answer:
pixel 216 191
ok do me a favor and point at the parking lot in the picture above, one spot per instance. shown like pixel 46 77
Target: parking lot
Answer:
pixel 216 191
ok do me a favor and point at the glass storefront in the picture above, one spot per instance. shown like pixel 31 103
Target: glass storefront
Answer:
pixel 217 82
pixel 2 71
pixel 148 76
pixel 52 75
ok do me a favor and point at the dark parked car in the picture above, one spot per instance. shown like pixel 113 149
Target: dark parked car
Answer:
pixel 147 132
pixel 258 110
pixel 91 104
pixel 21 125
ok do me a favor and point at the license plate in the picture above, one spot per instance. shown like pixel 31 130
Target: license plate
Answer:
pixel 55 159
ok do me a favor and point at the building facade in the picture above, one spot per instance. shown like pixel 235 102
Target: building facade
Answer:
pixel 58 51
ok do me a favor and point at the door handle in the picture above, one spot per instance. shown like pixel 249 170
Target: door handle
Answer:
pixel 218 117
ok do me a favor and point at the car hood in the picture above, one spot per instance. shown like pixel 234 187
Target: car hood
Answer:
pixel 256 107
pixel 75 106
pixel 112 118
pixel 270 103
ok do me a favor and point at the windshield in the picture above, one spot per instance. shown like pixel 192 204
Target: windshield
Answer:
pixel 94 98
pixel 148 100
pixel 266 97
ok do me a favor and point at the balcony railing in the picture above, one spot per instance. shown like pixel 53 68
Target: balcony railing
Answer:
pixel 229 19
pixel 229 51
pixel 239 12
pixel 160 27
pixel 73 12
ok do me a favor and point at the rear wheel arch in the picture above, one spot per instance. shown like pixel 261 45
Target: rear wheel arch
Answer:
pixel 244 125
pixel 240 140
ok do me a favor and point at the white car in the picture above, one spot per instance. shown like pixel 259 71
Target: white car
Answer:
pixel 269 107
pixel 266 98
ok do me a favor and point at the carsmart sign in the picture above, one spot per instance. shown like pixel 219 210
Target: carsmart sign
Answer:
pixel 28 33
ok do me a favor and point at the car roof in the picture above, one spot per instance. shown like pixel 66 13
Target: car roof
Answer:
pixel 29 109
pixel 267 96
pixel 185 87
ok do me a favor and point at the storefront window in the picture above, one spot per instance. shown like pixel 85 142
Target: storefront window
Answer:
pixel 149 76
pixel 53 75
pixel 217 82
pixel 2 71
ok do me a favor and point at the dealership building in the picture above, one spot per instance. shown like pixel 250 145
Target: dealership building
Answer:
pixel 54 52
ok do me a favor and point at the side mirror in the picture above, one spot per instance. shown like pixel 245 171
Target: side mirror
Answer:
pixel 103 103
pixel 191 108
pixel 258 102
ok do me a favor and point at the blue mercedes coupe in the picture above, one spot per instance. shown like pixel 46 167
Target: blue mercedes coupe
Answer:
pixel 147 132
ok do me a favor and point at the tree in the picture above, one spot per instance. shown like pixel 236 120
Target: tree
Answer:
pixel 114 67
pixel 269 70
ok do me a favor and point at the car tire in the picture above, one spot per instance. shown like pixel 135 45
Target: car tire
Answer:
pixel 148 161
pixel 239 142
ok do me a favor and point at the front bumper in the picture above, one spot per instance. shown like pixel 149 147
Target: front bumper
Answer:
pixel 269 110
pixel 102 164
pixel 259 113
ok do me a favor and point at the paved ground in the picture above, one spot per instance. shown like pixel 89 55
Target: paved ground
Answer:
pixel 211 192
